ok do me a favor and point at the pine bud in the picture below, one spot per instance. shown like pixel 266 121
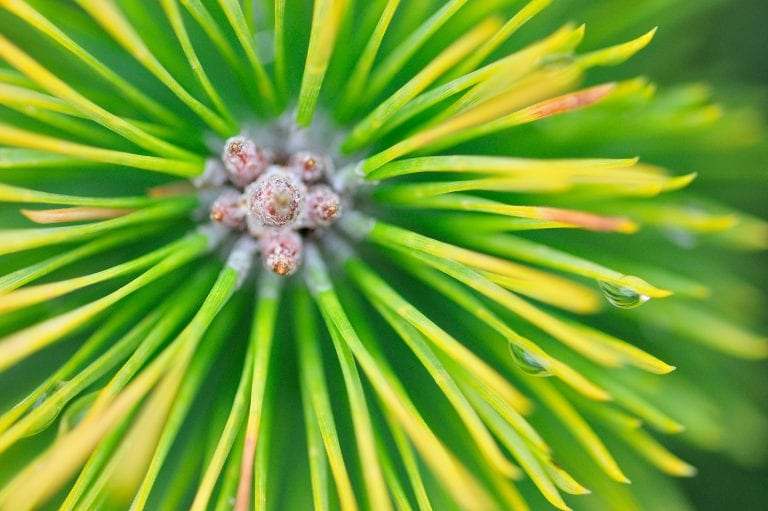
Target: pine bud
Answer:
pixel 281 251
pixel 323 206
pixel 310 167
pixel 276 199
pixel 244 161
pixel 229 209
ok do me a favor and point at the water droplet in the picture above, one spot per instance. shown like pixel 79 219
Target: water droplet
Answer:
pixel 76 412
pixel 623 297
pixel 527 362
pixel 44 418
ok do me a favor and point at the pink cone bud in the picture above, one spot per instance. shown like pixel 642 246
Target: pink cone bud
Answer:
pixel 244 161
pixel 281 251
pixel 229 209
pixel 310 167
pixel 323 206
pixel 276 199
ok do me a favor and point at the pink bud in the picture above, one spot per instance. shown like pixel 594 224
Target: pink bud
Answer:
pixel 276 199
pixel 244 161
pixel 323 206
pixel 310 167
pixel 281 251
pixel 229 209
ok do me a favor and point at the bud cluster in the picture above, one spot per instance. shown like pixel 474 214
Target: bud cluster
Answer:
pixel 276 198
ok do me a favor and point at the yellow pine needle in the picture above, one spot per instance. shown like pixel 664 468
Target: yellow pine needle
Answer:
pixel 629 353
pixel 511 416
pixel 422 196
pixel 499 165
pixel 111 18
pixel 558 329
pixel 516 71
pixel 161 418
pixel 550 107
pixel 19 96
pixel 527 459
pixel 263 330
pixel 563 479
pixel 13 158
pixel 482 115
pixel 227 439
pixel 618 54
pixel 173 189
pixel 26 139
pixel 453 475
pixel 650 449
pixel 26 12
pixel 546 322
pixel 570 296
pixel 366 130
pixel 279 41
pixel 239 23
pixel 172 11
pixel 76 214
pixel 394 485
pixel 326 19
pixel 127 467
pixel 59 88
pixel 638 405
pixel 410 462
pixel 23 343
pixel 450 389
pixel 399 57
pixel 67 454
pixel 609 176
pixel 22 276
pixel 138 444
pixel 531 184
pixel 576 424
pixel 749 233
pixel 701 325
pixel 611 416
pixel 314 392
pixel 31 295
pixel 566 103
pixel 318 468
pixel 495 76
pixel 376 287
pixel 474 306
pixel 16 240
pixel 682 217
pixel 373 477
pixel 368 336
pixel 354 87
pixel 492 224
pixel 526 250
pixel 522 16
pixel 543 285
pixel 541 110
pixel 10 193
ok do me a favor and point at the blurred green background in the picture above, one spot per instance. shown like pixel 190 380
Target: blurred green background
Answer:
pixel 723 43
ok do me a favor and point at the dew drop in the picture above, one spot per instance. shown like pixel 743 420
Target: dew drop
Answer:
pixel 47 418
pixel 623 297
pixel 527 362
pixel 76 412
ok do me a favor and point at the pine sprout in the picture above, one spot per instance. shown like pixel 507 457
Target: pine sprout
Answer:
pixel 456 294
